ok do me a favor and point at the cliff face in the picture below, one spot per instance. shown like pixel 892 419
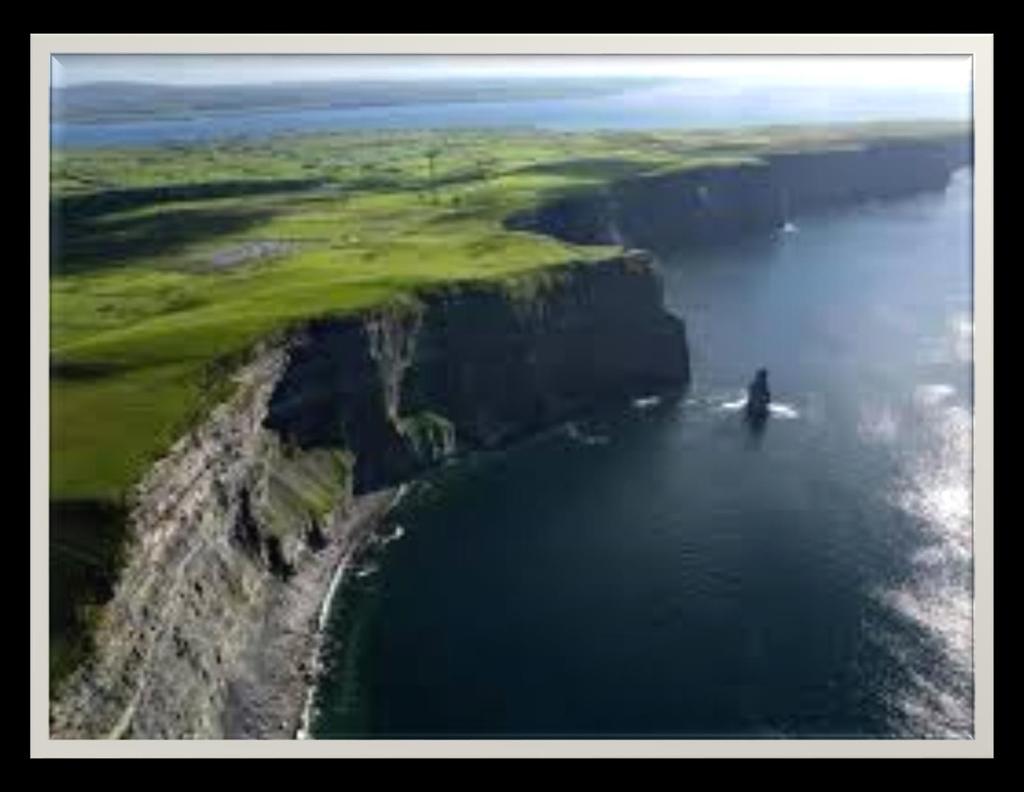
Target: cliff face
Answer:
pixel 477 366
pixel 237 531
pixel 718 204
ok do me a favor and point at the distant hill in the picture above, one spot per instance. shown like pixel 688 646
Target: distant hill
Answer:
pixel 128 101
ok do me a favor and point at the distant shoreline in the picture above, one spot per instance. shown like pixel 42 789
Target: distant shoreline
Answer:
pixel 126 102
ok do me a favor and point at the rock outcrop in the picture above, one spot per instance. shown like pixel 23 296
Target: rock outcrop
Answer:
pixel 236 533
pixel 758 398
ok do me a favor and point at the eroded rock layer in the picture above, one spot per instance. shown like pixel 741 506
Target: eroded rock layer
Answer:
pixel 236 533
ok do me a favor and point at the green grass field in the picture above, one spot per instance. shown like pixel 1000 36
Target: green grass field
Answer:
pixel 168 263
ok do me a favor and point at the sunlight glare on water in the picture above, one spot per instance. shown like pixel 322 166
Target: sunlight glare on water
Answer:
pixel 669 572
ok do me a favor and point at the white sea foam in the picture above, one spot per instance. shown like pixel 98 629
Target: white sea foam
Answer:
pixel 394 536
pixel 325 606
pixel 786 412
pixel 307 715
pixel 366 571
pixel 647 402
pixel 733 405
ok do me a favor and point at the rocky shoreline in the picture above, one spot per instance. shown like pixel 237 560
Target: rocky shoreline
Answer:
pixel 273 699
pixel 240 532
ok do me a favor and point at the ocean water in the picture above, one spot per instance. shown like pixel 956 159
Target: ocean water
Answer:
pixel 663 571
pixel 671 106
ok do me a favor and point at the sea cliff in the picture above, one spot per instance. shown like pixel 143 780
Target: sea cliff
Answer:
pixel 212 628
pixel 707 205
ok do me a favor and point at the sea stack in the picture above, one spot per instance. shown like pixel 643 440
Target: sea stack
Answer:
pixel 758 397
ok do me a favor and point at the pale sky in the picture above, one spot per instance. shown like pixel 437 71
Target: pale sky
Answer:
pixel 945 73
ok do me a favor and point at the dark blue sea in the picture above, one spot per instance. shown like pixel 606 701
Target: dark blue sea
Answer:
pixel 662 570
